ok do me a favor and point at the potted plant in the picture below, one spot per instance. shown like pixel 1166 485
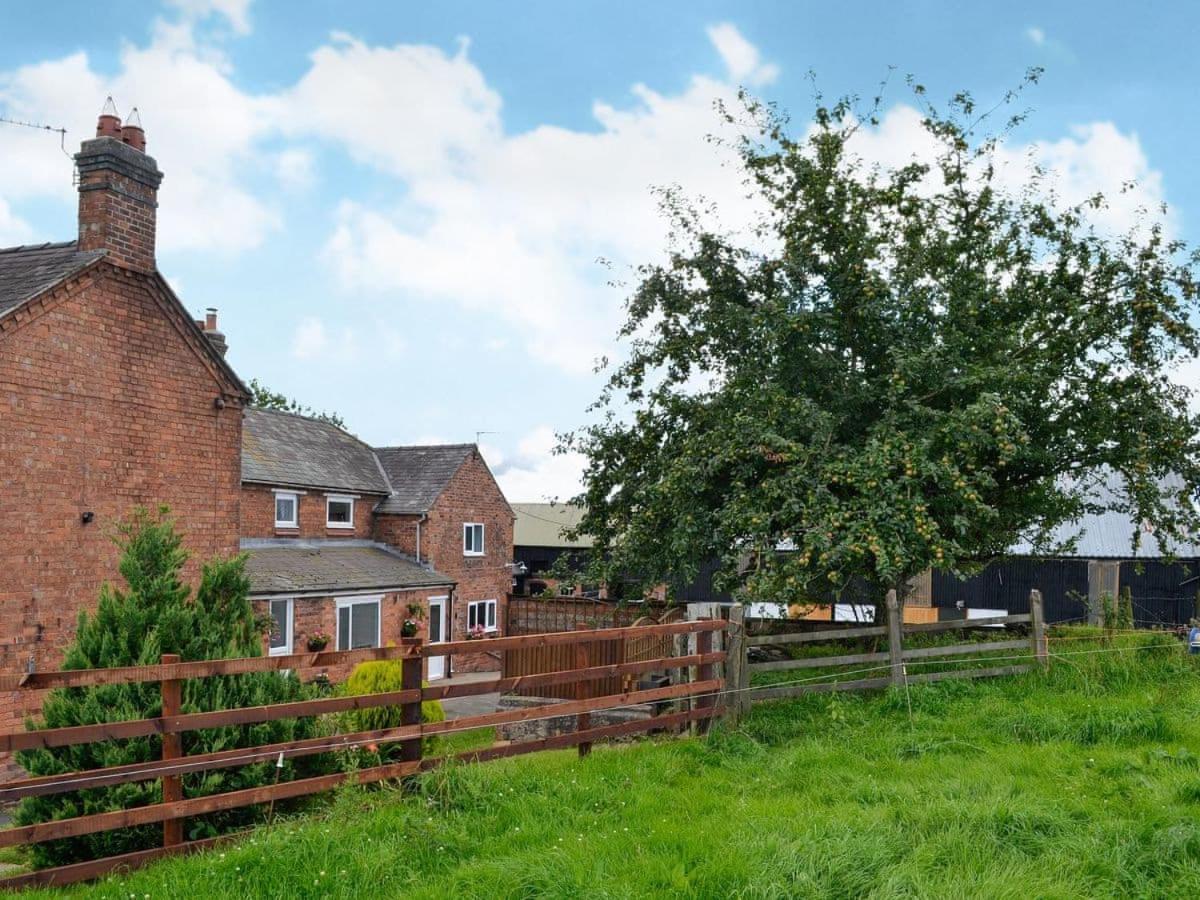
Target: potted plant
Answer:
pixel 318 641
pixel 476 633
pixel 409 628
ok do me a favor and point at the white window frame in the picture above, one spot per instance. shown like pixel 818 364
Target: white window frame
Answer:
pixel 468 528
pixel 289 628
pixel 295 498
pixel 491 611
pixel 339 498
pixel 343 602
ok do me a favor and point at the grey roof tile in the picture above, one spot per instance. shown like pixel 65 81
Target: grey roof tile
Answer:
pixel 26 272
pixel 334 568
pixel 287 449
pixel 419 474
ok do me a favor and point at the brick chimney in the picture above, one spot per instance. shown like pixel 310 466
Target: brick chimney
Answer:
pixel 118 191
pixel 209 326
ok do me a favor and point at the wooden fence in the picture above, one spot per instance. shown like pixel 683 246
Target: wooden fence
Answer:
pixel 648 645
pixel 530 615
pixel 584 669
pixel 891 663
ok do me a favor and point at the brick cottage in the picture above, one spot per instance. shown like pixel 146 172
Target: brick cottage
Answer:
pixel 347 542
pixel 113 396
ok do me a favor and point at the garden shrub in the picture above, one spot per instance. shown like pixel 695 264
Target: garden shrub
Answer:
pixel 156 614
pixel 381 677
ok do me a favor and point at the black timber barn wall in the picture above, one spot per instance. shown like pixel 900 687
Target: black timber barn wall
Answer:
pixel 1006 585
pixel 1163 593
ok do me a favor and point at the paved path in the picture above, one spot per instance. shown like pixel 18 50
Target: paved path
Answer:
pixel 474 705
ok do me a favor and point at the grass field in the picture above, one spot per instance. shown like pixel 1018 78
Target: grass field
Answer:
pixel 1081 783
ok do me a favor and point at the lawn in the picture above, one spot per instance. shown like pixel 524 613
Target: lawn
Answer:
pixel 1084 782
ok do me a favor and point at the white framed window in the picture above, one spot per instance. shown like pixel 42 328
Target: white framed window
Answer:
pixel 472 539
pixel 282 626
pixel 358 623
pixel 287 509
pixel 481 613
pixel 339 511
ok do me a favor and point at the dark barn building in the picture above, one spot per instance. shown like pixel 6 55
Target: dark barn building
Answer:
pixel 1104 561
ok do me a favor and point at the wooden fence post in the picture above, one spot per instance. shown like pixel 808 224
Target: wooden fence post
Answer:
pixel 411 673
pixel 583 660
pixel 172 748
pixel 895 638
pixel 737 676
pixel 705 672
pixel 1037 629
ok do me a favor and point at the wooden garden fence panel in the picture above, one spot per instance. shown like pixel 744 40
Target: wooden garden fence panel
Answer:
pixel 591 667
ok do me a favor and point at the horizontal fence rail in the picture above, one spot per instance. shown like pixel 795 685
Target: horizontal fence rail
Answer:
pixel 892 660
pixel 698 696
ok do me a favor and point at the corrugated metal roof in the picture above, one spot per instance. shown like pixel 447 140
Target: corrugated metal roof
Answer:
pixel 542 524
pixel 1109 535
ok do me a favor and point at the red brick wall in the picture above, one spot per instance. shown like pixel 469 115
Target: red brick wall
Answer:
pixel 401 533
pixel 104 404
pixel 258 515
pixel 472 496
pixel 310 615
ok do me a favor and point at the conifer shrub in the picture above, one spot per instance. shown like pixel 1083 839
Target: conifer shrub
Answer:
pixel 154 614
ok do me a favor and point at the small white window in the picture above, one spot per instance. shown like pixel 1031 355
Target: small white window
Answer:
pixel 286 510
pixel 358 623
pixel 481 614
pixel 339 512
pixel 472 539
pixel 281 627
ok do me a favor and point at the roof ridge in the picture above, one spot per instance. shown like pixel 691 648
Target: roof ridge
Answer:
pixel 48 245
pixel 316 419
pixel 425 446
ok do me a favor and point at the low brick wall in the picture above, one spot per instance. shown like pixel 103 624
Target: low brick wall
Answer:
pixel 543 728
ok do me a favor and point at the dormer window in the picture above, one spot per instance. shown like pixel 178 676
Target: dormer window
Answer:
pixel 339 511
pixel 472 539
pixel 287 509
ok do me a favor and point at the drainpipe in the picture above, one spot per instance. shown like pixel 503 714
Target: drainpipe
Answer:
pixel 424 516
pixel 450 627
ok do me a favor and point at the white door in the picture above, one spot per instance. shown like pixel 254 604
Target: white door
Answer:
pixel 438 626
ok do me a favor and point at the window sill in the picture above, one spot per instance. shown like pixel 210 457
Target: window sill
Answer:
pixel 474 555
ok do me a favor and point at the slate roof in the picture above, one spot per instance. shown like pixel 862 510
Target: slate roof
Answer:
pixel 1109 535
pixel 419 474
pixel 27 271
pixel 324 568
pixel 542 524
pixel 288 449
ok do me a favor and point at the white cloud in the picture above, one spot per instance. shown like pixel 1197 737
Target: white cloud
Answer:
pixel 534 473
pixel 1036 36
pixel 741 58
pixel 312 340
pixel 506 225
pixel 235 12
pixel 12 229
pixel 295 168
pixel 202 129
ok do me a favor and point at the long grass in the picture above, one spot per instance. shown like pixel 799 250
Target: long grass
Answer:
pixel 1083 782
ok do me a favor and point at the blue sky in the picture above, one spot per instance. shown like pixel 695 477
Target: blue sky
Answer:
pixel 398 207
